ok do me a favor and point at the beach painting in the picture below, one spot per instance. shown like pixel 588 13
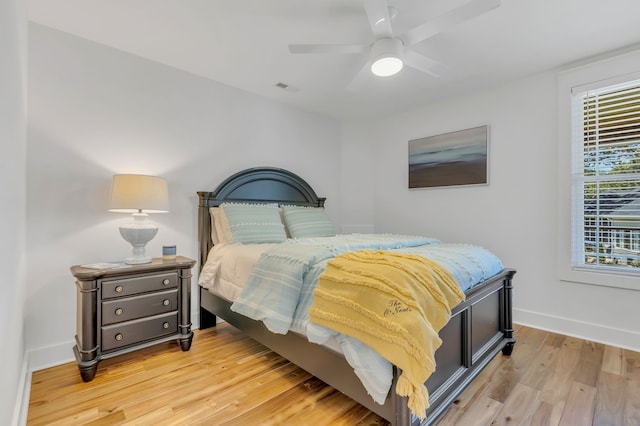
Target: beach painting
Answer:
pixel 456 158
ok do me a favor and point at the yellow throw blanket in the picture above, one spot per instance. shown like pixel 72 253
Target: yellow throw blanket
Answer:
pixel 395 303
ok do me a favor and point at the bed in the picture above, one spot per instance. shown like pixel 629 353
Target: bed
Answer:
pixel 480 327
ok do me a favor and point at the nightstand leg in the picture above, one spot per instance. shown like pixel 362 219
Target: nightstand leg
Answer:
pixel 88 373
pixel 87 368
pixel 185 343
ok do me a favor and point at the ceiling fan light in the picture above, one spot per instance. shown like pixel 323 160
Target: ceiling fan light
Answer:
pixel 386 57
pixel 386 66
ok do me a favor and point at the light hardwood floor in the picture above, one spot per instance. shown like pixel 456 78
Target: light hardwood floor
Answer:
pixel 228 379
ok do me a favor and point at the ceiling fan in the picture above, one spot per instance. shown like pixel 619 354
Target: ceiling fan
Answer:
pixel 388 53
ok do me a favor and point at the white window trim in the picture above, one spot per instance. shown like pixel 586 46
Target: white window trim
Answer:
pixel 606 72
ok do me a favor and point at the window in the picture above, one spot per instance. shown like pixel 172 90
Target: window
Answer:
pixel 605 182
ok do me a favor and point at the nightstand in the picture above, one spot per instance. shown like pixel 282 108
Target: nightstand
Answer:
pixel 128 307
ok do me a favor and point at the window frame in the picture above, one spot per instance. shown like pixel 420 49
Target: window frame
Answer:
pixel 592 76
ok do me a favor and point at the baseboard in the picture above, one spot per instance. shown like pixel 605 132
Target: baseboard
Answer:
pixel 618 337
pixel 42 358
pixel 22 395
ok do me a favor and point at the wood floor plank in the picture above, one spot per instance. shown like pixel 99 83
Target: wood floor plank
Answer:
pixel 542 366
pixel 532 336
pixel 150 418
pixel 338 416
pixel 632 388
pixel 228 378
pixel 518 406
pixel 508 374
pixel 571 342
pixel 77 418
pixel 258 391
pixel 481 412
pixel 558 384
pixel 612 360
pixel 590 363
pixel 610 399
pixel 555 340
pixel 542 414
pixel 580 405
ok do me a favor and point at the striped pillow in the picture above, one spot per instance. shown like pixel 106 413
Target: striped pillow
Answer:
pixel 307 222
pixel 254 223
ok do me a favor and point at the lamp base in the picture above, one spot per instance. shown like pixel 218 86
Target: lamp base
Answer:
pixel 138 234
pixel 137 260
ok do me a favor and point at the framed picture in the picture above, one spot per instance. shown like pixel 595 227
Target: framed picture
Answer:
pixel 455 158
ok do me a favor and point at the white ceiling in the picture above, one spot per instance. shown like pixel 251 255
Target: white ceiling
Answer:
pixel 244 43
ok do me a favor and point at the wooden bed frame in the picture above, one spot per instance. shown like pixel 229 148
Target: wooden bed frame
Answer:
pixel 479 328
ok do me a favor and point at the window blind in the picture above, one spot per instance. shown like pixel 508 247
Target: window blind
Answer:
pixel 606 178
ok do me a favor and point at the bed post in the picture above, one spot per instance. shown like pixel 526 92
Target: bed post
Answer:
pixel 207 319
pixel 508 318
pixel 399 408
pixel 204 228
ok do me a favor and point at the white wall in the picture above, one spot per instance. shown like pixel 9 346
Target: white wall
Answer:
pixel 13 138
pixel 514 216
pixel 94 112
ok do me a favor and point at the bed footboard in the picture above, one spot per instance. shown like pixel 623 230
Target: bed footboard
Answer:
pixel 480 327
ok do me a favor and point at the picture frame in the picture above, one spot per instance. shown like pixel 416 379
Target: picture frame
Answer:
pixel 450 159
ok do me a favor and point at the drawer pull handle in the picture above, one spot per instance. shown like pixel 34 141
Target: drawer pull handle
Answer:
pixel 165 302
pixel 119 311
pixel 119 289
pixel 119 337
pixel 165 325
pixel 166 281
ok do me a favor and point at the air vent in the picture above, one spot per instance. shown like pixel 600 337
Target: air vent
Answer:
pixel 286 87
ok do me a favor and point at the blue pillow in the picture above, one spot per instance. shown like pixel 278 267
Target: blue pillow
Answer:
pixel 307 222
pixel 254 223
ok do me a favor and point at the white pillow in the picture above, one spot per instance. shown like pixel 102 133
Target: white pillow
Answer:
pixel 220 232
pixel 213 211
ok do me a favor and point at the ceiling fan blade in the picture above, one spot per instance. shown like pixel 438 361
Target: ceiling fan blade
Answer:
pixel 460 14
pixel 327 48
pixel 361 78
pixel 379 19
pixel 424 64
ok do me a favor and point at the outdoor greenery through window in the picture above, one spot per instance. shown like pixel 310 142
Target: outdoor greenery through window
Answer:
pixel 606 178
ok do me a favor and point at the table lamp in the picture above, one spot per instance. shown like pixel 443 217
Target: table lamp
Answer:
pixel 140 195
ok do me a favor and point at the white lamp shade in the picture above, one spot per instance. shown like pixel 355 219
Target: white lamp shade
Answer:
pixel 139 193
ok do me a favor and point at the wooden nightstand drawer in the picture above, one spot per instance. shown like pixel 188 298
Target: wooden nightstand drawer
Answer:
pixel 136 331
pixel 128 308
pixel 141 284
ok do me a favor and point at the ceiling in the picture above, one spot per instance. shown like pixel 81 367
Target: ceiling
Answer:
pixel 244 43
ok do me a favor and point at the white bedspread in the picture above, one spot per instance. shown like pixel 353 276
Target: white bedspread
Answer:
pixel 228 268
